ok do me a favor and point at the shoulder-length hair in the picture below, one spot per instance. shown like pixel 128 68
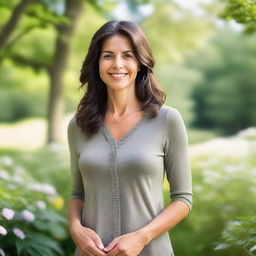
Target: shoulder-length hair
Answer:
pixel 93 105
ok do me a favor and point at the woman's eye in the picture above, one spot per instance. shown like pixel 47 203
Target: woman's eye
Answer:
pixel 128 55
pixel 107 56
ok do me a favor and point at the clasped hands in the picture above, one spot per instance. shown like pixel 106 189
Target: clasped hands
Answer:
pixel 90 244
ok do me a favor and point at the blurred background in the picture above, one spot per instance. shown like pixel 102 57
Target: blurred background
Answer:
pixel 205 55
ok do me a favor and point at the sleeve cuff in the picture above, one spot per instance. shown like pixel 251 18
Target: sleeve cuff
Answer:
pixel 77 197
pixel 184 197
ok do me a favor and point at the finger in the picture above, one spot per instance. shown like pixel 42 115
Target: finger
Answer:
pixel 113 252
pixel 98 242
pixel 96 252
pixel 110 246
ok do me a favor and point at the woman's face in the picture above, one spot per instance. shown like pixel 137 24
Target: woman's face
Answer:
pixel 118 65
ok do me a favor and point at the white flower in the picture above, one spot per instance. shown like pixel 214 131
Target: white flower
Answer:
pixel 212 174
pixel 44 188
pixel 4 175
pixel 234 168
pixel 19 233
pixel 253 171
pixel 2 252
pixel 41 204
pixel 19 170
pixel 27 215
pixel 17 179
pixel 7 161
pixel 3 231
pixel 8 213
pixel 11 186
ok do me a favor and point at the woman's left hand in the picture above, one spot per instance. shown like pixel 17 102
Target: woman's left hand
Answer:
pixel 130 244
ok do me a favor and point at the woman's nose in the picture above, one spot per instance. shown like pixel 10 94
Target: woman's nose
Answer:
pixel 118 62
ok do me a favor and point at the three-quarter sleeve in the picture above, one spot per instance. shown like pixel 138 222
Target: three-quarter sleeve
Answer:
pixel 176 158
pixel 77 188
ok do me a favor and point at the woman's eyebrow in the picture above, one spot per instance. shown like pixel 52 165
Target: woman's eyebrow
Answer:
pixel 113 52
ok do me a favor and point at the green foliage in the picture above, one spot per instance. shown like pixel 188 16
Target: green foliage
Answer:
pixel 169 32
pixel 41 226
pixel 22 93
pixel 224 98
pixel 242 11
pixel 223 190
pixel 239 235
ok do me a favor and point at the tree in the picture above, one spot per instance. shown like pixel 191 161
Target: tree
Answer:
pixel 242 11
pixel 225 98
pixel 56 71
pixel 11 24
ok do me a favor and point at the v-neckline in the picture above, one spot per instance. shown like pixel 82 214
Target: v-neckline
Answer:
pixel 110 138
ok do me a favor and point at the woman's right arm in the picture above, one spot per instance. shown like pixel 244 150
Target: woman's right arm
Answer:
pixel 75 208
pixel 87 241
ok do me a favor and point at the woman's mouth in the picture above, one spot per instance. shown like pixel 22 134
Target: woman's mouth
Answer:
pixel 118 75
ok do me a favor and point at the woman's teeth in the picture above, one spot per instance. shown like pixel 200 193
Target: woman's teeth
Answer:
pixel 118 75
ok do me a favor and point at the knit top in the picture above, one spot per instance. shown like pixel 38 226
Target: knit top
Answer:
pixel 121 181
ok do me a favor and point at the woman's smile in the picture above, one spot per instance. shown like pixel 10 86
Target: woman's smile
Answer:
pixel 118 76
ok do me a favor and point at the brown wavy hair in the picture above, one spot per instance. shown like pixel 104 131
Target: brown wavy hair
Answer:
pixel 93 105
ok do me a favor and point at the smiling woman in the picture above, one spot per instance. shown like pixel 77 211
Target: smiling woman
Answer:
pixel 122 142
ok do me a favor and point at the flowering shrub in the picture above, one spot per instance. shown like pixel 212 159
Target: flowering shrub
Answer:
pixel 224 189
pixel 29 220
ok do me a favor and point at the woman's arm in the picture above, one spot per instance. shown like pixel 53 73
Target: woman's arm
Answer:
pixel 87 241
pixel 133 243
pixel 166 220
pixel 75 207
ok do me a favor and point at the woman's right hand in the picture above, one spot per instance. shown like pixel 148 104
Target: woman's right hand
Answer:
pixel 87 241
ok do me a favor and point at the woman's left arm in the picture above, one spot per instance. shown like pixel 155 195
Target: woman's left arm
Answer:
pixel 166 220
pixel 133 243
pixel 178 172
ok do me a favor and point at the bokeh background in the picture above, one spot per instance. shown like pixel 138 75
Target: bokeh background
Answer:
pixel 205 55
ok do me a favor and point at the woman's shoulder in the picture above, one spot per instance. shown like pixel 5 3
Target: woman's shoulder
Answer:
pixel 172 115
pixel 72 124
pixel 170 112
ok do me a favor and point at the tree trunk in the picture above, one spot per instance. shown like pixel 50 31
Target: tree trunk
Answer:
pixel 13 21
pixel 56 72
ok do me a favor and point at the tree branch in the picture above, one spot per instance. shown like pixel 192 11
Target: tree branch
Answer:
pixel 13 21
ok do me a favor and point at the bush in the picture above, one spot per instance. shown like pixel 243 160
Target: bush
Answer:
pixel 223 190
pixel 30 220
pixel 239 237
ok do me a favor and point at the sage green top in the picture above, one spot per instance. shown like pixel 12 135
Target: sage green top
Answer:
pixel 121 182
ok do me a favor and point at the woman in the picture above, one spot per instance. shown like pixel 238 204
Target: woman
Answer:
pixel 122 141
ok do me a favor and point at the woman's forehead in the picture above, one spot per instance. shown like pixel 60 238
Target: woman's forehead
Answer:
pixel 117 42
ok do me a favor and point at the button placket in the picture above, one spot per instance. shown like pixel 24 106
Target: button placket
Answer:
pixel 114 145
pixel 115 190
